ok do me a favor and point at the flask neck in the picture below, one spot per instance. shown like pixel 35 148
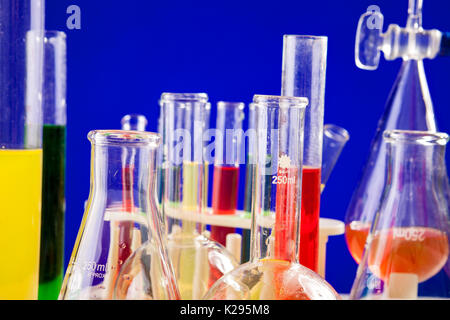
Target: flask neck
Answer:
pixel 123 174
pixel 415 161
pixel 414 14
pixel 409 106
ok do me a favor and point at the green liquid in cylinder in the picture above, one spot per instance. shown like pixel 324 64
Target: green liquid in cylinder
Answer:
pixel 53 208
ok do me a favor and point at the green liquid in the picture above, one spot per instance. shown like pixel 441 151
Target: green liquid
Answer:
pixel 53 207
pixel 246 234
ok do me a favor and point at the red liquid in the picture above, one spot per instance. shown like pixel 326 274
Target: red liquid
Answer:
pixel 224 200
pixel 416 250
pixel 356 234
pixel 309 221
pixel 286 206
pixel 125 227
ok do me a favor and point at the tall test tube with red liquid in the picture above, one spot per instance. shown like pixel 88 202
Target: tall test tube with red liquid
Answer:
pixel 303 75
pixel 226 164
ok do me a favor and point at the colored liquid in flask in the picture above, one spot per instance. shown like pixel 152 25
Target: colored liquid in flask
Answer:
pixel 20 206
pixel 414 250
pixel 53 203
pixel 309 221
pixel 356 234
pixel 224 201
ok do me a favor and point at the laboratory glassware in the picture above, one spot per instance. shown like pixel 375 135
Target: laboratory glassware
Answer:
pixel 51 269
pixel 408 242
pixel 121 203
pixel 274 272
pixel 197 261
pixel 21 60
pixel 249 185
pixel 303 75
pixel 226 164
pixel 409 107
pixel 134 122
pixel 334 140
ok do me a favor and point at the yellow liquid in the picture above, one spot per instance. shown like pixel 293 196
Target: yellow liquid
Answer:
pixel 20 216
pixel 187 253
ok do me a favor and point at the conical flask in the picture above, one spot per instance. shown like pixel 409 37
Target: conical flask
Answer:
pixel 408 242
pixel 274 272
pixel 120 208
pixel 409 107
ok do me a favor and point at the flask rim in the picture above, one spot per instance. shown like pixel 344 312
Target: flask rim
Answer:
pixel 335 132
pixel 183 97
pixel 305 37
pixel 260 100
pixel 415 137
pixel 124 138
pixel 230 105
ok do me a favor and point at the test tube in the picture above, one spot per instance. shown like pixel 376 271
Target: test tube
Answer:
pixel 226 164
pixel 303 75
pixel 183 126
pixel 183 116
pixel 334 140
pixel 249 184
pixel 54 157
pixel 134 121
pixel 21 61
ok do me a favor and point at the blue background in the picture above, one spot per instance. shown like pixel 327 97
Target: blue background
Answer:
pixel 128 52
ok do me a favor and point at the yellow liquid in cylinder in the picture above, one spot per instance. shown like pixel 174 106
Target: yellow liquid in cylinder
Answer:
pixel 20 216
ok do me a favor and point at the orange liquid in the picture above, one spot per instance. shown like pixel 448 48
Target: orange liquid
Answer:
pixel 356 234
pixel 415 250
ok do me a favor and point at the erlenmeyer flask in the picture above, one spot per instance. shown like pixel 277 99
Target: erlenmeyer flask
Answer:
pixel 274 272
pixel 121 204
pixel 409 107
pixel 409 239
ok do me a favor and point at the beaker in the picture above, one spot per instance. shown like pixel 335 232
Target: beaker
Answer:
pixel 303 75
pixel 408 241
pixel 273 272
pixel 334 140
pixel 121 203
pixel 51 269
pixel 21 61
pixel 409 107
pixel 226 164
